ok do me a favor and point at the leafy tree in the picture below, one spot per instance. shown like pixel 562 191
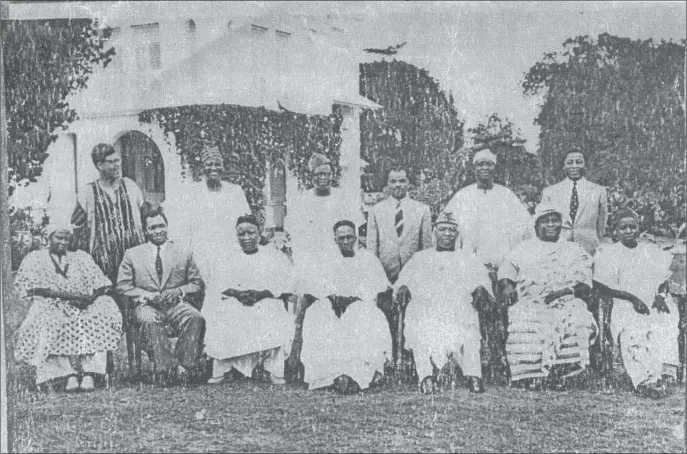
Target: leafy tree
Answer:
pixel 418 127
pixel 621 101
pixel 44 61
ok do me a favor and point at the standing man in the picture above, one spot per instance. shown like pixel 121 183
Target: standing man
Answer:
pixel 159 276
pixel 397 227
pixel 107 215
pixel 584 201
pixel 491 222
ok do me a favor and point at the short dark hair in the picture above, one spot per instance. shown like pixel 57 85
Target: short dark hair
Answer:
pixel 102 151
pixel 344 222
pixel 150 211
pixel 575 150
pixel 395 169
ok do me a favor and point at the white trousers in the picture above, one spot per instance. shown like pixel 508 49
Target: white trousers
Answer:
pixel 272 361
pixel 62 366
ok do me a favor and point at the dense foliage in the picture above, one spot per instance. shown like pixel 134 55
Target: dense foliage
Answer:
pixel 44 61
pixel 257 135
pixel 418 127
pixel 622 102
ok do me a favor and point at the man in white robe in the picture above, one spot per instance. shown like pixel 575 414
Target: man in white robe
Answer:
pixel 636 275
pixel 491 222
pixel 308 223
pixel 444 287
pixel 204 215
pixel 346 339
pixel 248 322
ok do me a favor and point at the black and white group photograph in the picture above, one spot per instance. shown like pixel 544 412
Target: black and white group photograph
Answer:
pixel 343 226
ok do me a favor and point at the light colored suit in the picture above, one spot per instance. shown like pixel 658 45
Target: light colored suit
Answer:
pixel 590 222
pixel 138 278
pixel 383 241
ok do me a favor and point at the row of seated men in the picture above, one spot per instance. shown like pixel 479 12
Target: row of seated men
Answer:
pixel 248 317
pixel 487 222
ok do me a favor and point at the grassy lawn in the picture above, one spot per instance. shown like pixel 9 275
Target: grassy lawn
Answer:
pixel 248 416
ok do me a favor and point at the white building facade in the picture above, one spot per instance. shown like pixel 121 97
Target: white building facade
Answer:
pixel 164 60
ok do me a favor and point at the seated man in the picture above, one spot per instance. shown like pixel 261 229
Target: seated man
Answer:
pixel 345 334
pixel 550 327
pixel 247 324
pixel 635 275
pixel 158 276
pixel 72 322
pixel 442 324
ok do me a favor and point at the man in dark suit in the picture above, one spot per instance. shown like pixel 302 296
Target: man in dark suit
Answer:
pixel 159 276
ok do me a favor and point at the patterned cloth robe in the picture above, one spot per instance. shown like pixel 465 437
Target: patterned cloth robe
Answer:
pixel 540 335
pixel 107 227
pixel 55 327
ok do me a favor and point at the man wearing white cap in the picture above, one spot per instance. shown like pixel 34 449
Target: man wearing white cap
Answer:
pixel 204 215
pixel 444 287
pixel 491 222
pixel 543 283
pixel 309 219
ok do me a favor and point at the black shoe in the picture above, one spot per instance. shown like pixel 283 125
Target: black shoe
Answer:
pixel 475 385
pixel 428 385
pixel 652 390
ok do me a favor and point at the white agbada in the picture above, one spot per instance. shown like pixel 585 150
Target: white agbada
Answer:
pixel 205 221
pixel 240 336
pixel 440 319
pixel 355 344
pixel 647 342
pixel 310 221
pixel 491 222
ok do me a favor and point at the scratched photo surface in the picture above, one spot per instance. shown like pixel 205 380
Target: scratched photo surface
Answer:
pixel 343 226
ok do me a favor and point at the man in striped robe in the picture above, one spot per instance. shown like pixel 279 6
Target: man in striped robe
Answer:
pixel 543 281
pixel 108 213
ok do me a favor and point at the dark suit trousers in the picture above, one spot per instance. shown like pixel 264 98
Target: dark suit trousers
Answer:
pixel 185 320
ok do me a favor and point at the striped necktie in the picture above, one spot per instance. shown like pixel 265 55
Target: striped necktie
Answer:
pixel 399 219
pixel 574 202
pixel 158 265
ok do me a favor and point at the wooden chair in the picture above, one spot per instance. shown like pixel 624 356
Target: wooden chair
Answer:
pixel 133 348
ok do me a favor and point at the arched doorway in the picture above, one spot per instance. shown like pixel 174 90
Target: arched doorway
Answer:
pixel 142 162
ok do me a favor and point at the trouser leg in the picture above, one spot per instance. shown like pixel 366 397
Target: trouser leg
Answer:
pixel 95 363
pixel 152 336
pixel 641 365
pixel 469 358
pixel 186 319
pixel 54 367
pixel 274 362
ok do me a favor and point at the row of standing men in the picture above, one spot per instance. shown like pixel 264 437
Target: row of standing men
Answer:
pixel 484 222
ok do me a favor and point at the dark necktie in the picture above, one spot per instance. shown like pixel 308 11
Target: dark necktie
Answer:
pixel 399 219
pixel 158 265
pixel 574 202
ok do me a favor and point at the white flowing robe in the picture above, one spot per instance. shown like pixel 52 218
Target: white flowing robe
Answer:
pixel 234 330
pixel 440 319
pixel 310 223
pixel 355 344
pixel 647 342
pixel 491 222
pixel 205 221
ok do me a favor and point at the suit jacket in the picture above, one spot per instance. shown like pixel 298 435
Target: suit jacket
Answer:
pixel 590 223
pixel 137 276
pixel 384 242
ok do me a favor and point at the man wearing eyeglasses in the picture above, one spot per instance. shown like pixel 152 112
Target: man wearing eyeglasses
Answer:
pixel 107 215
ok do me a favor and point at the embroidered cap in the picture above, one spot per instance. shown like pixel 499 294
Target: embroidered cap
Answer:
pixel 316 160
pixel 484 155
pixel 446 217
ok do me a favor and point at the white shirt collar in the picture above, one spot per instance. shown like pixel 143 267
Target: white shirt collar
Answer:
pixel 163 246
